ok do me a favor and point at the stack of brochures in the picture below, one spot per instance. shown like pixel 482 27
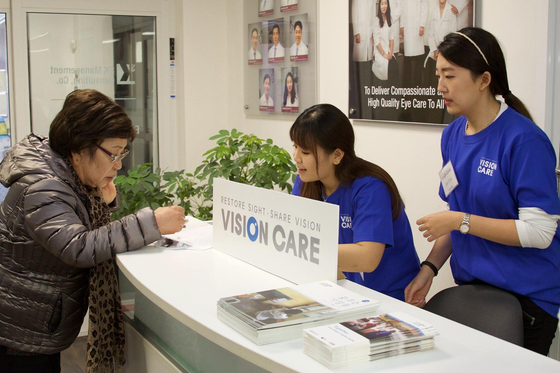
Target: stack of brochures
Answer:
pixel 281 314
pixel 367 339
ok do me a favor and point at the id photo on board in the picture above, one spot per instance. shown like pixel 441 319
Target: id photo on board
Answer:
pixel 299 50
pixel 276 37
pixel 266 89
pixel 254 56
pixel 288 5
pixel 266 8
pixel 392 54
pixel 290 89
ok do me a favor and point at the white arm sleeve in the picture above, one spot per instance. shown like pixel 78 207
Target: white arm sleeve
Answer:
pixel 535 227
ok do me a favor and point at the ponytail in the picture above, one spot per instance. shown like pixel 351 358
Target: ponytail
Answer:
pixel 516 104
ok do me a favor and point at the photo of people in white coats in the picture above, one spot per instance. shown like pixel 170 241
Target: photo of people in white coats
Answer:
pixel 254 56
pixel 288 5
pixel 392 55
pixel 266 90
pixel 266 7
pixel 290 98
pixel 299 50
pixel 275 38
pixel 362 13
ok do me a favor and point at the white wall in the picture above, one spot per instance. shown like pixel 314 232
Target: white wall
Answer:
pixel 410 153
pixel 522 28
pixel 204 64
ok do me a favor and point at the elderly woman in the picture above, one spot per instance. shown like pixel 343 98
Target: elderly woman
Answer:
pixel 57 242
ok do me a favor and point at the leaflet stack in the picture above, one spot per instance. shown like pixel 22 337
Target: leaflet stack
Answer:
pixel 281 314
pixel 367 339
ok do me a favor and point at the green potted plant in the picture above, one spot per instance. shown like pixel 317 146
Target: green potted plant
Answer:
pixel 237 156
pixel 142 187
pixel 246 159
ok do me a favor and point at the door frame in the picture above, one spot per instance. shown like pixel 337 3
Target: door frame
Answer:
pixel 552 101
pixel 162 10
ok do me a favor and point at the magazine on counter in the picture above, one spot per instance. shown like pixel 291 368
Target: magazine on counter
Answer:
pixel 280 314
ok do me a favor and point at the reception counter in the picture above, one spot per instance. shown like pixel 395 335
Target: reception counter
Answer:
pixel 172 297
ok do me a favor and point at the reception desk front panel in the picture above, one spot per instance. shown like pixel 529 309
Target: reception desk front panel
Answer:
pixel 175 293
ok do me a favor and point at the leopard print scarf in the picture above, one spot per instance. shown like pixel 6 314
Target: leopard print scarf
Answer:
pixel 105 345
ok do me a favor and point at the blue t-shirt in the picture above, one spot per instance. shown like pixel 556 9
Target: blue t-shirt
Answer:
pixel 508 165
pixel 366 215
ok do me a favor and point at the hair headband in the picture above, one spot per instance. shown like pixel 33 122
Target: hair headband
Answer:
pixel 476 46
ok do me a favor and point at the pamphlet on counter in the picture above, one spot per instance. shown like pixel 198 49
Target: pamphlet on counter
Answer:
pixel 366 339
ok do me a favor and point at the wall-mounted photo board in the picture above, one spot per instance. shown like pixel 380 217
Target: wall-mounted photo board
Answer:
pixel 280 57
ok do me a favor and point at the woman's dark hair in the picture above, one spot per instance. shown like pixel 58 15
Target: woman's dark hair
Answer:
pixel 459 50
pixel 87 118
pixel 265 77
pixel 325 126
pixel 293 95
pixel 388 14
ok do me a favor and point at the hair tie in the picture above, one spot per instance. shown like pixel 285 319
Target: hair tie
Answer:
pixel 476 46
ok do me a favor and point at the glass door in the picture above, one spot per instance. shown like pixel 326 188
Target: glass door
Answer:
pixel 115 55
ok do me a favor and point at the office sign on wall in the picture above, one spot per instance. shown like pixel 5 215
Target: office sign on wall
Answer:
pixel 292 237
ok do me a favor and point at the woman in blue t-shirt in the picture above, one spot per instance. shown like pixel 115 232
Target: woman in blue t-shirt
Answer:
pixel 375 239
pixel 499 181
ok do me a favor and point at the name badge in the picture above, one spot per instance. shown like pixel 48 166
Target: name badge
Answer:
pixel 448 179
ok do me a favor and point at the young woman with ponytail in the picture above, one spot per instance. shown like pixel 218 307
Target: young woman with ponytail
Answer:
pixel 501 226
pixel 375 239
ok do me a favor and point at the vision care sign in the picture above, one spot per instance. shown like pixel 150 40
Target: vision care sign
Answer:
pixel 289 236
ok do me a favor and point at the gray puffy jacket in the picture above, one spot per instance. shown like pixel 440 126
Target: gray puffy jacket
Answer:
pixel 47 246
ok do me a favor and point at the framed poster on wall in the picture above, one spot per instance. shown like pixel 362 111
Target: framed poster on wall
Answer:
pixel 392 57
pixel 281 63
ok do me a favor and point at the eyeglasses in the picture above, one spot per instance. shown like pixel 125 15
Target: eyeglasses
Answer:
pixel 114 157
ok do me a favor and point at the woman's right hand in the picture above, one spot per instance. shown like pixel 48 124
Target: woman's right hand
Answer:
pixel 170 219
pixel 358 39
pixel 415 293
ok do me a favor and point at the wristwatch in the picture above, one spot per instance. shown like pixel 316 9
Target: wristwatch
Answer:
pixel 465 225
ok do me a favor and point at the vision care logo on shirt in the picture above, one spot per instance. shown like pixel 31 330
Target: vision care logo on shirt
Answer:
pixel 345 221
pixel 487 166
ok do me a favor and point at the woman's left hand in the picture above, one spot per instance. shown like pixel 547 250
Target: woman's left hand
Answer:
pixel 439 224
pixel 109 192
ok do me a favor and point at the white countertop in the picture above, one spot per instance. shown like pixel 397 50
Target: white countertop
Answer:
pixel 187 284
